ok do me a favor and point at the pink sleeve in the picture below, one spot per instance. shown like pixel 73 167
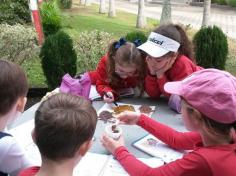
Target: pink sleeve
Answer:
pixel 175 139
pixel 191 164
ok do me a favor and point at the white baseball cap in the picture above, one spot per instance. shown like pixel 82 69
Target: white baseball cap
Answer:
pixel 158 45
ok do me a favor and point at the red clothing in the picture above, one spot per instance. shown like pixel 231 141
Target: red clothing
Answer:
pixel 202 161
pixel 182 67
pixel 100 77
pixel 31 171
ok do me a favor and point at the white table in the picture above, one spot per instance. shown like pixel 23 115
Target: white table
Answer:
pixel 162 114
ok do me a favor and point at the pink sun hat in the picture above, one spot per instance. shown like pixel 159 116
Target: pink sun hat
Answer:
pixel 210 91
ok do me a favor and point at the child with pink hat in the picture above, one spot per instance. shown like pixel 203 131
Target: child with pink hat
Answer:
pixel 208 110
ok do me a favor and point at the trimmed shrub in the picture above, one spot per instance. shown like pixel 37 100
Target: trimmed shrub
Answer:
pixel 18 43
pixel 65 4
pixel 90 47
pixel 231 3
pixel 51 18
pixel 58 58
pixel 211 47
pixel 14 11
pixel 131 36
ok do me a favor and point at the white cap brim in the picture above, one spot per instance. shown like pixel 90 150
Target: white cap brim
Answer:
pixel 173 87
pixel 152 49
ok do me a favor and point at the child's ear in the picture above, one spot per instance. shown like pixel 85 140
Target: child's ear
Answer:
pixel 85 147
pixel 21 104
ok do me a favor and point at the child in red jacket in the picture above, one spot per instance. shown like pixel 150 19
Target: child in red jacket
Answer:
pixel 122 67
pixel 208 110
pixel 169 58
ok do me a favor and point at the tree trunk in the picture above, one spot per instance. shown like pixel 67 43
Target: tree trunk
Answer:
pixel 112 10
pixel 88 2
pixel 141 19
pixel 166 12
pixel 206 13
pixel 102 7
pixel 82 2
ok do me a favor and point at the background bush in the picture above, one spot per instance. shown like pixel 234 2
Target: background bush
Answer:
pixel 65 4
pixel 18 43
pixel 231 3
pixel 14 11
pixel 131 36
pixel 51 17
pixel 58 58
pixel 90 47
pixel 211 47
pixel 221 2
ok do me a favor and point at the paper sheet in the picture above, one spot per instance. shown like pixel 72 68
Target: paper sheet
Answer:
pixel 108 107
pixel 157 148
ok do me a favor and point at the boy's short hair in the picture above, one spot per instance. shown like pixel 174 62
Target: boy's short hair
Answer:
pixel 62 124
pixel 13 85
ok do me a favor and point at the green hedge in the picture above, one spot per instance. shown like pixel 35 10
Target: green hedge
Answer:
pixel 14 11
pixel 58 58
pixel 211 47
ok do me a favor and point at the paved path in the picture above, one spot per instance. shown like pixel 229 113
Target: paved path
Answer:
pixel 186 14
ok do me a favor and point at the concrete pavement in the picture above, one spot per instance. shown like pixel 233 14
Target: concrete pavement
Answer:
pixel 225 18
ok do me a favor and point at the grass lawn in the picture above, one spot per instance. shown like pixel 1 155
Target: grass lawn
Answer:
pixel 82 18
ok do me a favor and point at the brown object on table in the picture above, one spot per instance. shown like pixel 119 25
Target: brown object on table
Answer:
pixel 105 115
pixel 145 109
pixel 114 130
pixel 121 108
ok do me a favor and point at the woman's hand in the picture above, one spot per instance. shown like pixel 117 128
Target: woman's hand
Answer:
pixel 110 144
pixel 128 117
pixel 108 97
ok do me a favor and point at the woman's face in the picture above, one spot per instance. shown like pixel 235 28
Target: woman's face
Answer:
pixel 156 63
pixel 125 71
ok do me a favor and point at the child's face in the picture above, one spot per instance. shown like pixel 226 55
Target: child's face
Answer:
pixel 156 62
pixel 125 71
pixel 188 121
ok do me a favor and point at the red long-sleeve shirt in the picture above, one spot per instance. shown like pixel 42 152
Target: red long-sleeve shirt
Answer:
pixel 182 67
pixel 100 78
pixel 202 161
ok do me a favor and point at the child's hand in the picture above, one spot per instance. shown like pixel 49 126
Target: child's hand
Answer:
pixel 129 117
pixel 108 97
pixel 167 66
pixel 110 144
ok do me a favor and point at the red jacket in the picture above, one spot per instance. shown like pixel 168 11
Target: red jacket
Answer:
pixel 100 78
pixel 202 161
pixel 182 67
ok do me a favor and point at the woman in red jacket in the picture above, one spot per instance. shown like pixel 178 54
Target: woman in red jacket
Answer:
pixel 122 67
pixel 169 58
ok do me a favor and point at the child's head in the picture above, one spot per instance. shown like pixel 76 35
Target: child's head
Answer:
pixel 167 41
pixel 64 126
pixel 209 95
pixel 124 60
pixel 13 86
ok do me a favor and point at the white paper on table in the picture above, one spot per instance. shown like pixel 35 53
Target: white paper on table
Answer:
pixel 108 107
pixel 154 147
pixel 125 92
pixel 113 167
